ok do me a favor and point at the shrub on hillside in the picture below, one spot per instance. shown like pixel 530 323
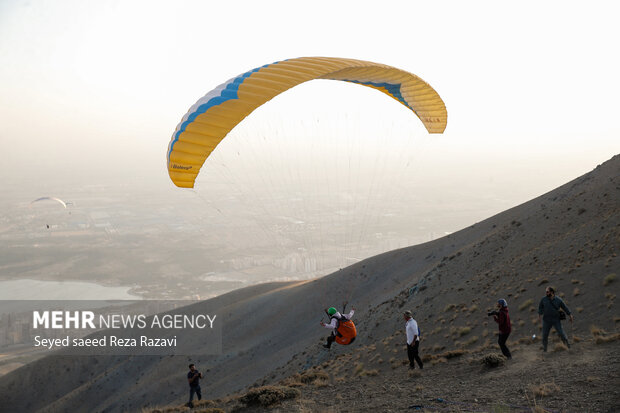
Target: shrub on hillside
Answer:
pixel 268 395
pixel 493 360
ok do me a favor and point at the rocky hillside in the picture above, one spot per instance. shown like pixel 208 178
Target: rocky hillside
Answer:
pixel 568 238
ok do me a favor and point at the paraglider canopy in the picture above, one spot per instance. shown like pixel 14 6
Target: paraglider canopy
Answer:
pixel 49 198
pixel 213 116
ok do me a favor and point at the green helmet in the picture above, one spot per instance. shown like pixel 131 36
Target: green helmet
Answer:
pixel 331 311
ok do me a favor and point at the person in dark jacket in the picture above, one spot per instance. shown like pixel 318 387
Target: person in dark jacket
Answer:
pixel 193 378
pixel 502 318
pixel 549 313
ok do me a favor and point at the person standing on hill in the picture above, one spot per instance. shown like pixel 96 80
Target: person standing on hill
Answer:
pixel 549 311
pixel 502 318
pixel 413 340
pixel 193 378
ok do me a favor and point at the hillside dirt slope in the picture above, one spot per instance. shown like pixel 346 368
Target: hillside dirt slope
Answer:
pixel 585 378
pixel 568 238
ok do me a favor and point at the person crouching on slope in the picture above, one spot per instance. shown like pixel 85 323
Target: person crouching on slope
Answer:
pixel 343 330
pixel 502 318
pixel 413 340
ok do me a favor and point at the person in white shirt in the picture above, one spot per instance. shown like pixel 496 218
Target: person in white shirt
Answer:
pixel 413 340
pixel 335 318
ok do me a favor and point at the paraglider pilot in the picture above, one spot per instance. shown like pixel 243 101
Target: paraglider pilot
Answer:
pixel 343 329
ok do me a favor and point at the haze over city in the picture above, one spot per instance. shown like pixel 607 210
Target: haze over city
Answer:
pixel 316 179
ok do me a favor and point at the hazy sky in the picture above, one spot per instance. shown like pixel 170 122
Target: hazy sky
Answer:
pixel 89 88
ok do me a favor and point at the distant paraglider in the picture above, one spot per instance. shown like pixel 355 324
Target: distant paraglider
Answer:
pixel 213 116
pixel 49 198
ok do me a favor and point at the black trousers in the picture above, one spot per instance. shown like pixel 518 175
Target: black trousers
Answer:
pixel 412 353
pixel 192 390
pixel 502 344
pixel 330 340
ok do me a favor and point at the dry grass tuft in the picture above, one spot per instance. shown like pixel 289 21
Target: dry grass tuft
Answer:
pixel 199 405
pixel 526 304
pixel 560 347
pixel 449 307
pixel 471 341
pixel 415 373
pixel 463 331
pixel 313 376
pixel 439 360
pixel 453 353
pixel 609 278
pixel 545 389
pixel 374 372
pixel 602 339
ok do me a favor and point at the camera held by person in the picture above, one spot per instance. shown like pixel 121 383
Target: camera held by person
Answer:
pixel 494 312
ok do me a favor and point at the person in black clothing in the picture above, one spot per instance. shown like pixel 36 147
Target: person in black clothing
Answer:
pixel 193 378
pixel 550 315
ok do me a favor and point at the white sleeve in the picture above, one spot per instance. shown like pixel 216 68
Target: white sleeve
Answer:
pixel 350 315
pixel 332 324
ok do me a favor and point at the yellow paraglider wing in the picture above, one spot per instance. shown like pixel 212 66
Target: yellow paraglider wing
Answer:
pixel 211 118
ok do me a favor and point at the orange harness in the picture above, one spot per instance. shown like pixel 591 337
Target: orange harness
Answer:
pixel 346 332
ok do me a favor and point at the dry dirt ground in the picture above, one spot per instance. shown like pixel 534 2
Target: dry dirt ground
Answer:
pixel 585 378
